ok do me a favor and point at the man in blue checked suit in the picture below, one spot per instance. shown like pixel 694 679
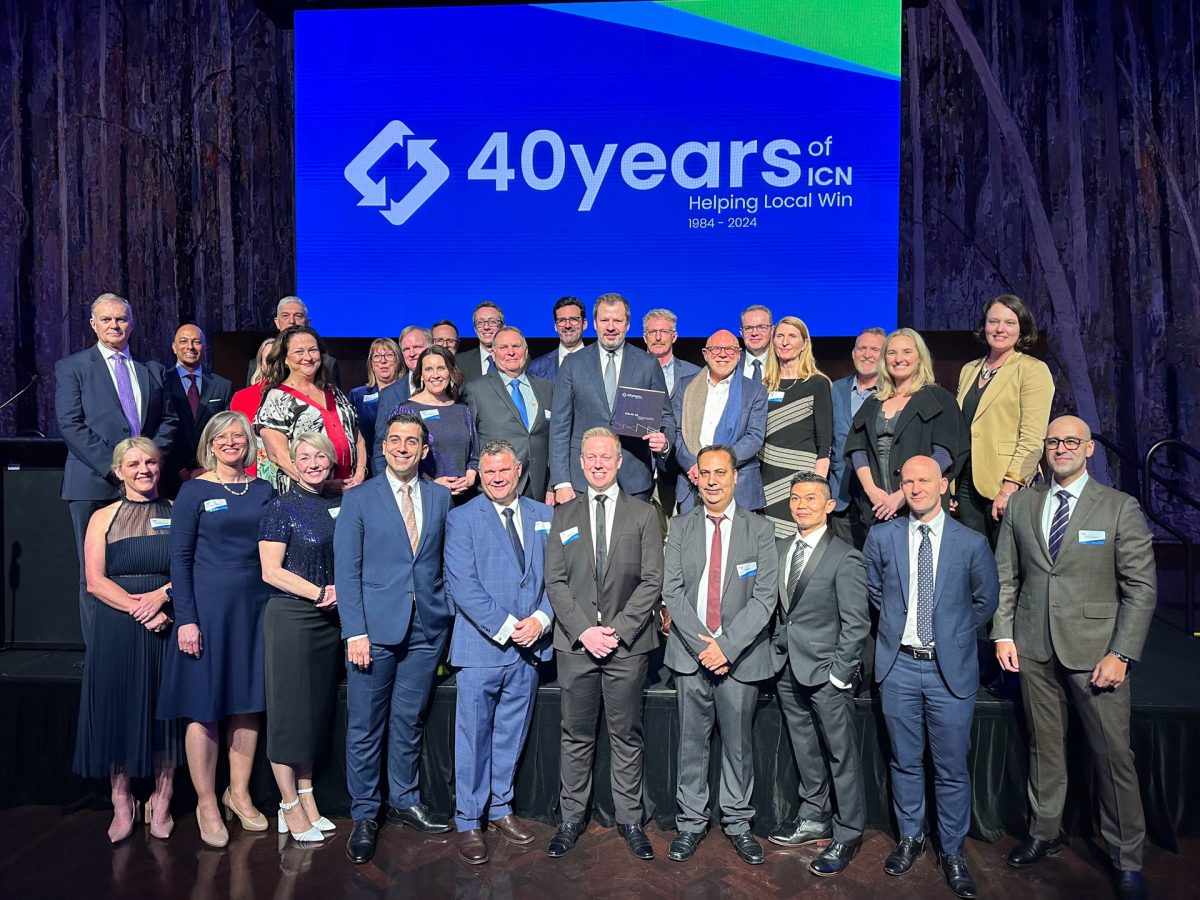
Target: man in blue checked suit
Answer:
pixel 495 548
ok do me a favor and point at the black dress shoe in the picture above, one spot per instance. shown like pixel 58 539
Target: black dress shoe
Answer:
pixel 957 876
pixel 418 817
pixel 748 848
pixel 1130 886
pixel 800 831
pixel 361 846
pixel 834 858
pixel 908 852
pixel 683 846
pixel 635 838
pixel 1030 851
pixel 564 840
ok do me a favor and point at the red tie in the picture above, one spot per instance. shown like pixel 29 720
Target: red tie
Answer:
pixel 712 609
pixel 193 395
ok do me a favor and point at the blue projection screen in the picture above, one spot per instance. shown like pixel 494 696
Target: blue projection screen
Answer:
pixel 699 156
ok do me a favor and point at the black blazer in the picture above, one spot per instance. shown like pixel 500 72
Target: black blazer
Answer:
pixel 215 394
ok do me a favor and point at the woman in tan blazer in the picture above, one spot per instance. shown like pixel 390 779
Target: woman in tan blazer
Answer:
pixel 1005 398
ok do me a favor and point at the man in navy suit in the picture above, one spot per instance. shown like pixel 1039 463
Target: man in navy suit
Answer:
pixel 934 582
pixel 848 396
pixel 395 617
pixel 570 321
pixel 584 396
pixel 195 396
pixel 719 405
pixel 102 396
pixel 659 333
pixel 495 550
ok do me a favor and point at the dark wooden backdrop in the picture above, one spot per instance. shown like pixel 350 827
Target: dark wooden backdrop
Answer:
pixel 1049 149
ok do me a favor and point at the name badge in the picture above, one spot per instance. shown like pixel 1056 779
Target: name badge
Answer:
pixel 775 397
pixel 215 505
pixel 371 398
pixel 1091 538
pixel 430 414
pixel 745 570
pixel 333 512
pixel 543 527
pixel 571 534
pixel 547 415
pixel 160 524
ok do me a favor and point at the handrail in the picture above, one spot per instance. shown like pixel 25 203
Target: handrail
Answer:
pixel 1189 587
pixel 1148 475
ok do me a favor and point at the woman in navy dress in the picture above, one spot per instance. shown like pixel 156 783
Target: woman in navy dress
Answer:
pixel 217 672
pixel 383 369
pixel 128 564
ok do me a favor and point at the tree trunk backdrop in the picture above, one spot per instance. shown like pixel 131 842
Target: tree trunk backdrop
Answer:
pixel 1051 150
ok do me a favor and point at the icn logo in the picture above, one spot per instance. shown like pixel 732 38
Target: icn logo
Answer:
pixel 420 153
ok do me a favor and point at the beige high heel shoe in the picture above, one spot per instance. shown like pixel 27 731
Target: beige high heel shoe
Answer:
pixel 163 830
pixel 256 823
pixel 218 838
pixel 118 837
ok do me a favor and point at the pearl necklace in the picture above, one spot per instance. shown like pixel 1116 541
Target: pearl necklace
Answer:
pixel 232 493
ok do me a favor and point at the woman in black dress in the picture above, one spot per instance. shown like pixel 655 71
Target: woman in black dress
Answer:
pixel 128 562
pixel 303 635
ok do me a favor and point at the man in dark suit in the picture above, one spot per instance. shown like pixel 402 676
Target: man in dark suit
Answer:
pixel 821 627
pixel 488 318
pixel 445 334
pixel 511 405
pixel 413 341
pixel 934 582
pixel 659 334
pixel 495 549
pixel 604 569
pixel 720 587
pixel 195 396
pixel 570 321
pixel 395 617
pixel 585 394
pixel 1077 593
pixel 103 395
pixel 291 311
pixel 848 396
pixel 719 405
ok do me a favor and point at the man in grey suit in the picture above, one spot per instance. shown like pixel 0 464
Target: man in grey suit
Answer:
pixel 511 405
pixel 821 628
pixel 848 396
pixel 1077 592
pixel 659 333
pixel 604 571
pixel 720 587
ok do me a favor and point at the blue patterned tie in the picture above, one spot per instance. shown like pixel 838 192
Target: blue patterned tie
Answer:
pixel 125 395
pixel 925 588
pixel 511 527
pixel 1058 525
pixel 514 388
pixel 757 378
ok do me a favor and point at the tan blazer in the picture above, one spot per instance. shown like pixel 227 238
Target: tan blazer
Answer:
pixel 1010 422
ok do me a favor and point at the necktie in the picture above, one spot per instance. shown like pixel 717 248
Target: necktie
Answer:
pixel 511 527
pixel 125 395
pixel 925 588
pixel 712 607
pixel 757 376
pixel 410 516
pixel 601 531
pixel 514 388
pixel 193 395
pixel 491 365
pixel 610 378
pixel 799 555
pixel 1058 525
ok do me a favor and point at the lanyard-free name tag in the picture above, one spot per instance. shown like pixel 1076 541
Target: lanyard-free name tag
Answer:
pixel 1092 538
pixel 543 527
pixel 215 505
pixel 160 524
pixel 430 414
pixel 371 398
pixel 547 415
pixel 571 534
pixel 745 570
pixel 775 397
pixel 333 512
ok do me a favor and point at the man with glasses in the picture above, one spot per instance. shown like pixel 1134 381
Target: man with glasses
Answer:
pixel 1080 559
pixel 570 321
pixel 445 335
pixel 488 319
pixel 718 405
pixel 658 331
pixel 757 330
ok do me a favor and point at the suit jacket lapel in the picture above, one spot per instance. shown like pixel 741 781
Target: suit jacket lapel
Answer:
pixel 545 400
pixel 505 396
pixel 388 498
pixel 585 533
pixel 1036 510
pixel 1084 507
pixel 999 384
pixel 102 368
pixel 426 513
pixel 810 568
pixel 495 524
pixel 621 521
pixel 143 377
pixel 949 542
pixel 900 548
pixel 738 533
pixel 528 517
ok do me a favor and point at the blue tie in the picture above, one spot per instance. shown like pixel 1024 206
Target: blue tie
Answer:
pixel 1058 525
pixel 925 588
pixel 514 388
pixel 491 365
pixel 511 527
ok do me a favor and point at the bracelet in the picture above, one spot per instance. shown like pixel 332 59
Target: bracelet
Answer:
pixel 321 595
pixel 1121 656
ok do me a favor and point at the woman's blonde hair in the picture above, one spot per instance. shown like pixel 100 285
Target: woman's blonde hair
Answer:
pixel 260 373
pixel 317 441
pixel 806 362
pixel 217 424
pixel 386 344
pixel 137 442
pixel 923 377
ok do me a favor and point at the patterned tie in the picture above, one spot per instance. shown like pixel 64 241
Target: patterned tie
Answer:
pixel 491 365
pixel 610 378
pixel 1058 525
pixel 511 527
pixel 799 555
pixel 514 388
pixel 601 531
pixel 193 395
pixel 410 516
pixel 757 376
pixel 925 588
pixel 712 606
pixel 125 395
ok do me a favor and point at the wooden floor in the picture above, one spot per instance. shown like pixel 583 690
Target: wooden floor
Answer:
pixel 46 853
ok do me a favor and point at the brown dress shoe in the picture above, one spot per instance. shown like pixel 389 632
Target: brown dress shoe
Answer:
pixel 513 829
pixel 471 847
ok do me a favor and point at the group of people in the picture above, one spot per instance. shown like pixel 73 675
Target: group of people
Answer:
pixel 485 509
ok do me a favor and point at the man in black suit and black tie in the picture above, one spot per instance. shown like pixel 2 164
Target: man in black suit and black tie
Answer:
pixel 195 396
pixel 488 319
pixel 821 627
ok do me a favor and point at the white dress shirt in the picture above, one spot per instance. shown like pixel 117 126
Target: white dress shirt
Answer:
pixel 702 587
pixel 714 407
pixel 503 636
pixel 748 364
pixel 610 513
pixel 936 527
pixel 1075 489
pixel 108 355
pixel 811 540
pixel 531 404
pixel 563 352
pixel 184 375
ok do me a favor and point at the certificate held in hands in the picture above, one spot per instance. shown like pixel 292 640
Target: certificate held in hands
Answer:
pixel 638 411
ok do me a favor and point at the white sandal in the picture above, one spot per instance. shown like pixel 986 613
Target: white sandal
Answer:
pixel 322 823
pixel 311 836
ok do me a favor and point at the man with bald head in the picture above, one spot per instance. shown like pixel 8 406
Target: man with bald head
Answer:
pixel 719 405
pixel 934 582
pixel 1081 560
pixel 195 395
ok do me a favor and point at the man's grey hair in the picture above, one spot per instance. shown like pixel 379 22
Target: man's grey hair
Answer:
pixel 109 297
pixel 287 300
pixel 659 314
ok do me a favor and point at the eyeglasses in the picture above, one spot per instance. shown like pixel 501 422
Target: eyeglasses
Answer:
pixel 488 323
pixel 383 357
pixel 446 342
pixel 723 351
pixel 569 320
pixel 755 329
pixel 1071 443
pixel 659 332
